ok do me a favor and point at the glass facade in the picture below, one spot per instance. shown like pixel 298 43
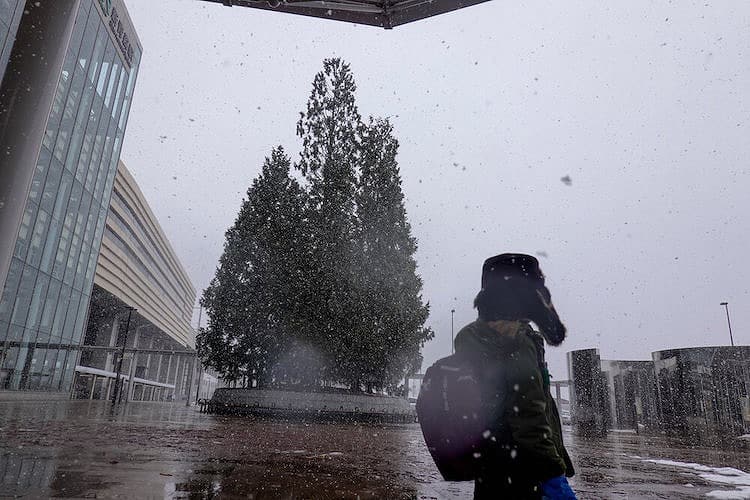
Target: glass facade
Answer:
pixel 10 15
pixel 696 392
pixel 156 366
pixel 704 390
pixel 46 294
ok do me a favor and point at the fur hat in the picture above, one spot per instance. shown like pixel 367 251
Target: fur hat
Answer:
pixel 511 265
pixel 513 289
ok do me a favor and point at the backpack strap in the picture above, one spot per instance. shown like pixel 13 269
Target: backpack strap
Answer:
pixel 538 341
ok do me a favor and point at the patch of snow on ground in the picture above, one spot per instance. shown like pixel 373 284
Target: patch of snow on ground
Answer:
pixel 742 493
pixel 728 476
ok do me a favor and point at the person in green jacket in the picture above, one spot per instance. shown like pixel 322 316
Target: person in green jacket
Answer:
pixel 527 457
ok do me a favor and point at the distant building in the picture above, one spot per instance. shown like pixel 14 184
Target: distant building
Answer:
pixel 68 72
pixel 704 389
pixel 138 268
pixel 699 391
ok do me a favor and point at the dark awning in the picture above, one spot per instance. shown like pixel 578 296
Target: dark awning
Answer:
pixel 383 13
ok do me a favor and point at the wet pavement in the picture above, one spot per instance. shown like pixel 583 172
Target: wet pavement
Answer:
pixel 75 449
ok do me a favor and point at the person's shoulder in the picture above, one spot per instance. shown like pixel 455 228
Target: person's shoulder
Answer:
pixel 530 344
pixel 495 338
pixel 469 329
pixel 467 337
pixel 531 335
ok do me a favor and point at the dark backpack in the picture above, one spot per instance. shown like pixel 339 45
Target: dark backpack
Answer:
pixel 457 421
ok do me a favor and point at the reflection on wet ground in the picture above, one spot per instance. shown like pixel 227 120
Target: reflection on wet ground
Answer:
pixel 145 450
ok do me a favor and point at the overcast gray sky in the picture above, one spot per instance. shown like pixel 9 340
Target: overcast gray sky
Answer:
pixel 643 104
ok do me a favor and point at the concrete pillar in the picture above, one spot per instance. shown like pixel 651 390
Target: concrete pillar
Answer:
pixel 589 407
pixel 158 368
pixel 172 377
pixel 133 365
pixel 200 379
pixel 178 377
pixel 148 374
pixel 191 365
pixel 26 94
pixel 131 376
pixel 109 364
pixel 181 379
pixel 169 366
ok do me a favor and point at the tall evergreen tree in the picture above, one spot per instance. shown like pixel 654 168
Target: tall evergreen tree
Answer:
pixel 252 300
pixel 393 314
pixel 330 130
pixel 323 276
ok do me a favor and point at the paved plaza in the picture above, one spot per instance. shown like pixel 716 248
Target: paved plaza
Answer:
pixel 154 450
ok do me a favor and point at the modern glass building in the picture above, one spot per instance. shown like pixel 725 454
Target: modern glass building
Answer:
pixel 63 147
pixel 137 268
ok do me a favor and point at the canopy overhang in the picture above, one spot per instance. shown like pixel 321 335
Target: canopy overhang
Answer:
pixel 383 13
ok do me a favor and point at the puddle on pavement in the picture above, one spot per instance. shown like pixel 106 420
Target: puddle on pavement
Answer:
pixel 74 449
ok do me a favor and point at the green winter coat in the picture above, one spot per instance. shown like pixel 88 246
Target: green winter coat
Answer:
pixel 529 435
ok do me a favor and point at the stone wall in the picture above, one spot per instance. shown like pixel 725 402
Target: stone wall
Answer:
pixel 339 406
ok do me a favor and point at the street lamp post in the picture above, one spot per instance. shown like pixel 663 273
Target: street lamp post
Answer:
pixel 729 324
pixel 118 381
pixel 453 311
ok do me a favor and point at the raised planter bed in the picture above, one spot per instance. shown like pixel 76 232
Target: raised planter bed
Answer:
pixel 339 407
